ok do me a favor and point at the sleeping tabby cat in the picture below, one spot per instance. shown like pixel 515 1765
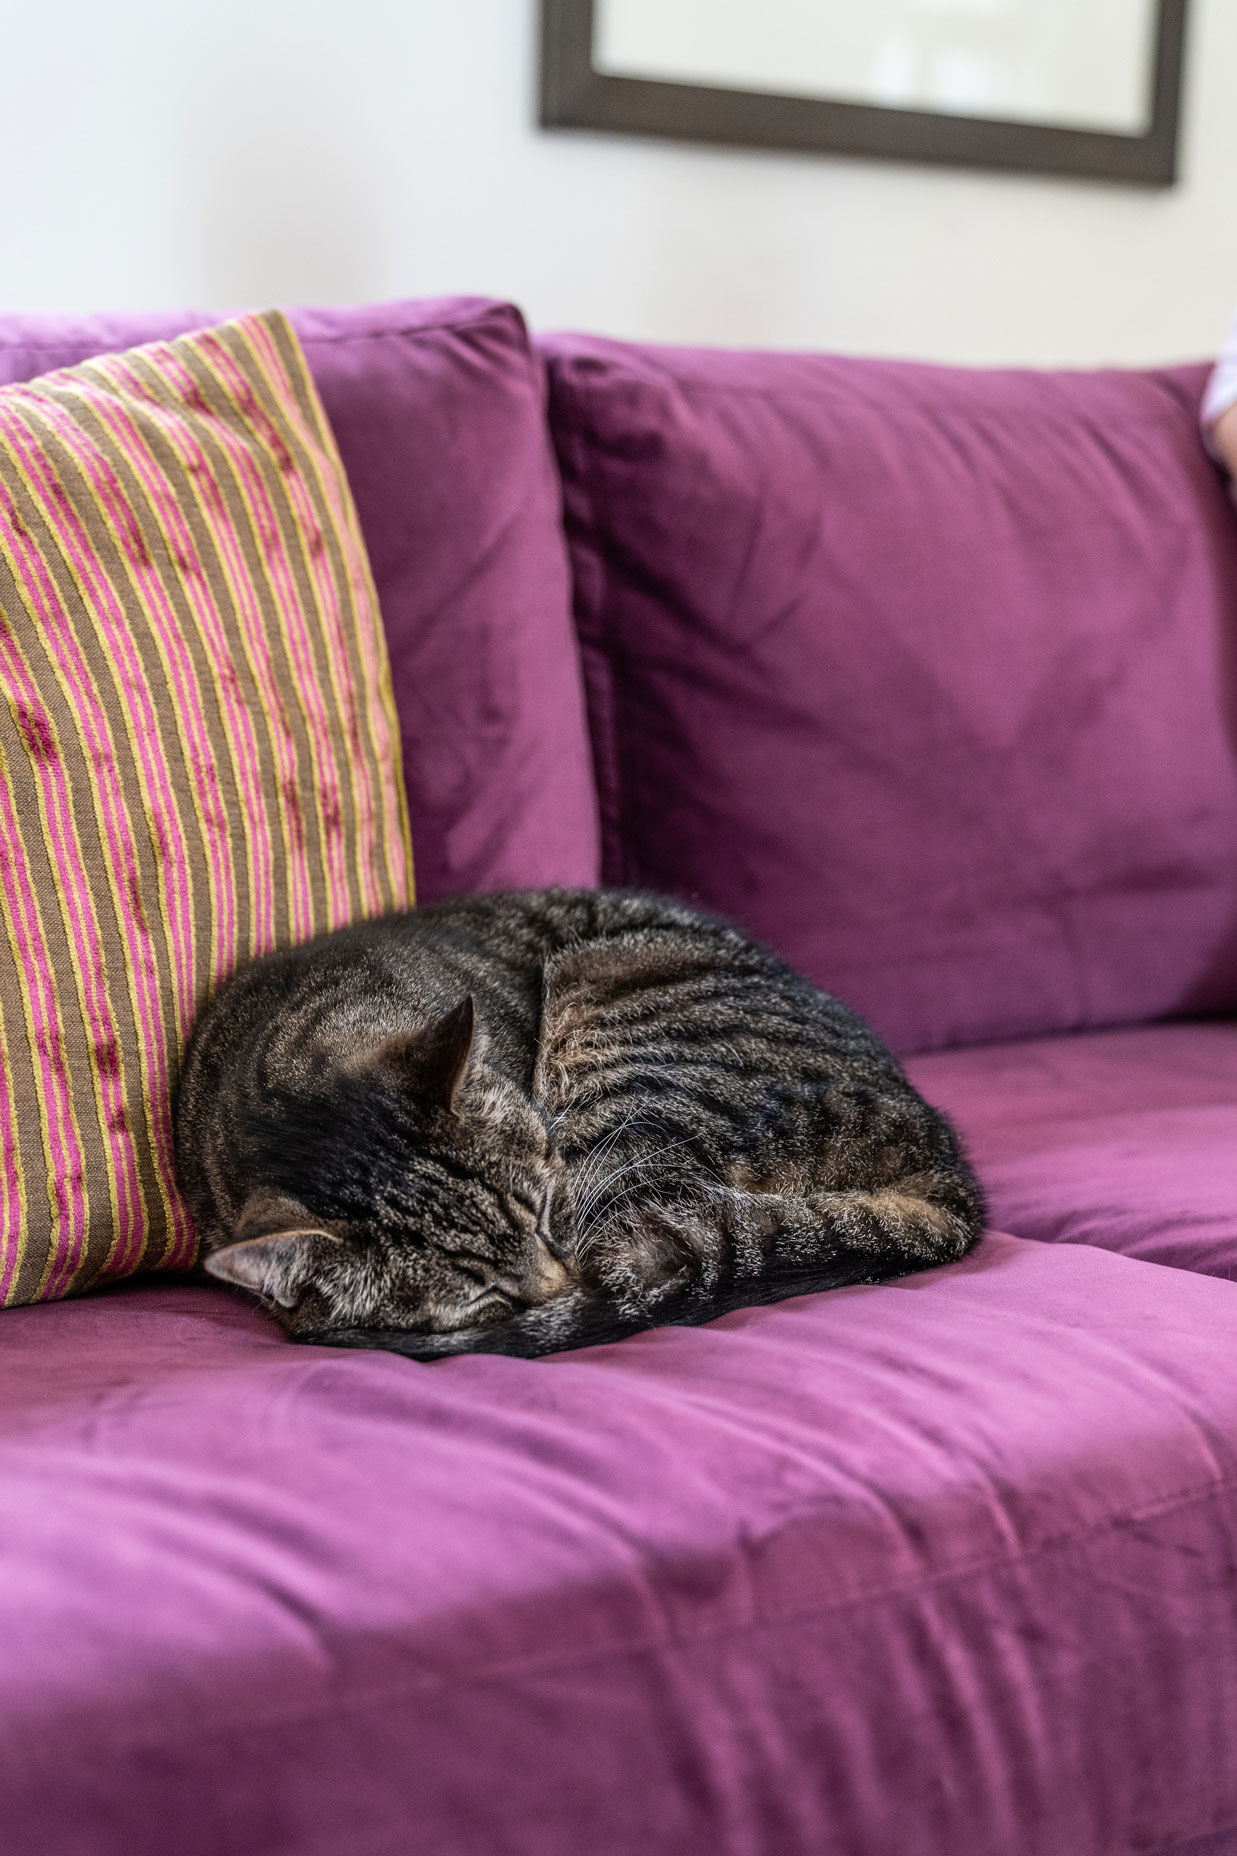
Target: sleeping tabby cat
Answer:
pixel 524 1122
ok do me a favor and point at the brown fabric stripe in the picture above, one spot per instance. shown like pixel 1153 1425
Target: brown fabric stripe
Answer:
pixel 208 579
pixel 377 735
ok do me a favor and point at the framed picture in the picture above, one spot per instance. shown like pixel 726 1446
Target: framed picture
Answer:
pixel 1085 87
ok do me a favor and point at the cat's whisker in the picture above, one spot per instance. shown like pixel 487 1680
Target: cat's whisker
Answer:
pixel 638 1162
pixel 590 1170
pixel 602 1185
pixel 680 1056
pixel 645 1166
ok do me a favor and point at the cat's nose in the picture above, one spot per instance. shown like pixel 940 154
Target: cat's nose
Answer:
pixel 549 1277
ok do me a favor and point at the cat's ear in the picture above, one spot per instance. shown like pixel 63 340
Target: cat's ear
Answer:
pixel 272 1251
pixel 432 1063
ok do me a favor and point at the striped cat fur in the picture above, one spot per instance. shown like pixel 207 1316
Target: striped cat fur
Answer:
pixel 527 1122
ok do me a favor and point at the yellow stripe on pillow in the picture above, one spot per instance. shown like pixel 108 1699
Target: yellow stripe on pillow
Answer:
pixel 199 759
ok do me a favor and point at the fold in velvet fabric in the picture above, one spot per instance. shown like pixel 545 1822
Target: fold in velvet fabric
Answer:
pixel 923 675
pixel 1127 1139
pixel 943 1566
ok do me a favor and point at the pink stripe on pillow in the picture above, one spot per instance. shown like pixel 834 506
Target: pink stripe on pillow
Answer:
pixel 365 704
pixel 87 955
pixel 100 740
pixel 115 631
pixel 198 759
pixel 327 783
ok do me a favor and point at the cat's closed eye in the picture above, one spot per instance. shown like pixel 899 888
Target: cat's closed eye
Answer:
pixel 481 1277
pixel 471 1263
pixel 755 1140
pixel 475 1272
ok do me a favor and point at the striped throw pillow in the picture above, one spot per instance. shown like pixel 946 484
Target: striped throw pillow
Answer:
pixel 199 759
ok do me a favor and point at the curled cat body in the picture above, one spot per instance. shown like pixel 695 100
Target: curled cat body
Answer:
pixel 531 1121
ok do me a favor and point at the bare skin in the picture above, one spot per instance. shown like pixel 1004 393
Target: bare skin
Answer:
pixel 1224 437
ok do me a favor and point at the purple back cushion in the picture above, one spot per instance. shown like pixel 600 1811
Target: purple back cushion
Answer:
pixel 438 411
pixel 923 675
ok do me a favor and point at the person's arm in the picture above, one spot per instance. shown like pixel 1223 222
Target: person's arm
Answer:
pixel 1224 438
pixel 1219 408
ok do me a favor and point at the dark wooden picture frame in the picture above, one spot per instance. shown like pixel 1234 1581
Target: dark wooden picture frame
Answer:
pixel 574 95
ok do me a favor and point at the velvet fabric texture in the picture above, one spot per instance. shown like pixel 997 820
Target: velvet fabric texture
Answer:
pixel 924 676
pixel 941 1567
pixel 199 759
pixel 1125 1138
pixel 437 410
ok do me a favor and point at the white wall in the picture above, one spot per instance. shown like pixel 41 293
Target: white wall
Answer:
pixel 244 152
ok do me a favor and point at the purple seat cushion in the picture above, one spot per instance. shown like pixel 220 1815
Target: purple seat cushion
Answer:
pixel 437 408
pixel 943 1566
pixel 1126 1139
pixel 923 675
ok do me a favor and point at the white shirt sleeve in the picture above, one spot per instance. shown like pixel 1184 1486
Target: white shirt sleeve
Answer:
pixel 1221 388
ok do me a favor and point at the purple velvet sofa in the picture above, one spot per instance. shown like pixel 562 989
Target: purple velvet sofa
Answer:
pixel 929 678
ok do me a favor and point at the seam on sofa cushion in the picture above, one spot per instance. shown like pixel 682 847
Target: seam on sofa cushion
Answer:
pixel 1177 1847
pixel 497 312
pixel 504 311
pixel 591 626
pixel 823 393
pixel 367 1695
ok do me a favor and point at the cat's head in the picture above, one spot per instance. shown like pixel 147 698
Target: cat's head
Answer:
pixel 412 1187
